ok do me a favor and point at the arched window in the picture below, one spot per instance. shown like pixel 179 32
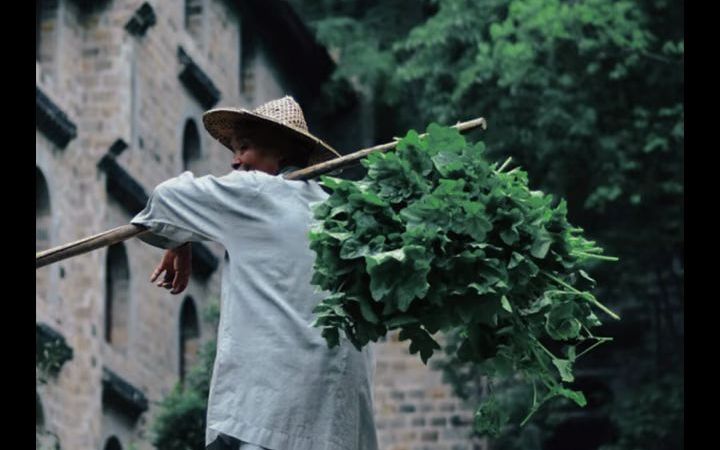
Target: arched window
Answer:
pixel 46 25
pixel 39 413
pixel 189 336
pixel 42 212
pixel 112 443
pixel 191 147
pixel 247 56
pixel 117 296
pixel 194 18
pixel 43 220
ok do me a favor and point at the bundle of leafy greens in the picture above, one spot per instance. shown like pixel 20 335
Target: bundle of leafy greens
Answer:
pixel 436 239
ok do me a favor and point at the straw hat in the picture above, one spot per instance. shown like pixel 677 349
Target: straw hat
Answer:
pixel 283 115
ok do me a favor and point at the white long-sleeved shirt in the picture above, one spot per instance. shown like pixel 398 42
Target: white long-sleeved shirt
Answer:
pixel 275 383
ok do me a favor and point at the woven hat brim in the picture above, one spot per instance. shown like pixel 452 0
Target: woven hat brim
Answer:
pixel 222 123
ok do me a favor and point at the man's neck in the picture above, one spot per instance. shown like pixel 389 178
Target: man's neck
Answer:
pixel 288 169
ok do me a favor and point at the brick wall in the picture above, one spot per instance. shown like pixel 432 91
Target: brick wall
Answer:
pixel 414 409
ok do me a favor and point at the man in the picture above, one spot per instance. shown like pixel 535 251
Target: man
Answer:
pixel 275 384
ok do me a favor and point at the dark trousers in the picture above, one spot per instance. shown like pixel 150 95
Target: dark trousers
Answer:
pixel 225 442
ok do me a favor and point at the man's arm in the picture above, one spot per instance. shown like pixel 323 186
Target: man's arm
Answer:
pixel 183 209
pixel 187 209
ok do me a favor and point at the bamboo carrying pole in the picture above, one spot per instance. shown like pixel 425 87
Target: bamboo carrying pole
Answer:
pixel 125 232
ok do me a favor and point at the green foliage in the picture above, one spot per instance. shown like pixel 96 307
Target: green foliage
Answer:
pixel 51 353
pixel 180 425
pixel 435 238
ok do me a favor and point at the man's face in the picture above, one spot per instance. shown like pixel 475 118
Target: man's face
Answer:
pixel 256 151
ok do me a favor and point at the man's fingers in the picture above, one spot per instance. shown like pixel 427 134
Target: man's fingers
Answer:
pixel 178 289
pixel 184 284
pixel 180 282
pixel 156 273
pixel 167 280
pixel 175 281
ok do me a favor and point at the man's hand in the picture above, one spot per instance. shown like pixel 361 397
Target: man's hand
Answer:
pixel 176 263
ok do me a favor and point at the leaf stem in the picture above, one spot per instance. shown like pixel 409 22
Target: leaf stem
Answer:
pixel 502 167
pixel 592 255
pixel 534 393
pixel 590 334
pixel 538 357
pixel 545 349
pixel 535 409
pixel 584 295
pixel 600 340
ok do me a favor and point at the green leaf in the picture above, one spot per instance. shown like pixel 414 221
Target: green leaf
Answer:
pixel 332 337
pixel 366 309
pixel 352 248
pixel 474 221
pixel 515 259
pixel 446 138
pixel 576 396
pixel 339 235
pixel 399 276
pixel 509 236
pixel 561 323
pixel 367 197
pixel 482 288
pixel 448 163
pixel 420 341
pixel 564 367
pixel 540 246
pixel 537 305
pixel 335 183
pixel 587 277
pixel 506 304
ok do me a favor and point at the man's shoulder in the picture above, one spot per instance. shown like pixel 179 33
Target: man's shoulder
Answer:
pixel 232 178
pixel 257 181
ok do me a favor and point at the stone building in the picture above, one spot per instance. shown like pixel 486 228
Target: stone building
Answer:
pixel 120 89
